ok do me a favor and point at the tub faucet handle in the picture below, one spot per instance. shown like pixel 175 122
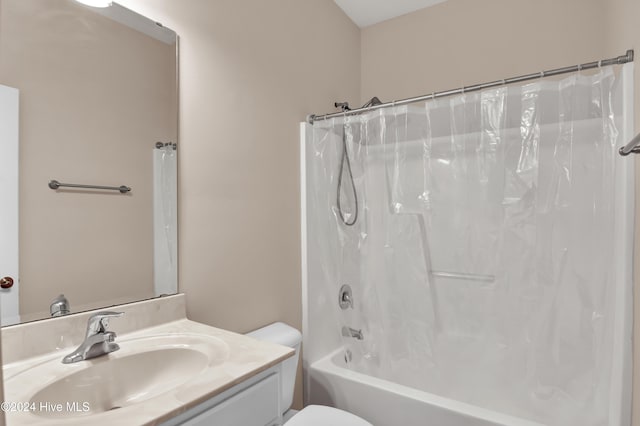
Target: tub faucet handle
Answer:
pixel 345 298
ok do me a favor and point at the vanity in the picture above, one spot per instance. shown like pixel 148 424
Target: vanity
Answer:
pixel 96 176
pixel 168 371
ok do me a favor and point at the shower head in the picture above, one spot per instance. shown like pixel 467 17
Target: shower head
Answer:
pixel 344 106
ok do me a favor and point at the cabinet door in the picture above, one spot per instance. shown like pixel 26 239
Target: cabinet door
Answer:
pixel 255 406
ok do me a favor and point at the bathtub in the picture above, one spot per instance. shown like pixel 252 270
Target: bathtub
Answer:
pixel 384 403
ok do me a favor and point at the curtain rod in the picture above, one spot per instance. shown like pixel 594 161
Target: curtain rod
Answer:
pixel 628 57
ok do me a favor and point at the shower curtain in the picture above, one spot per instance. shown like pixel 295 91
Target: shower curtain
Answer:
pixel 481 260
pixel 165 225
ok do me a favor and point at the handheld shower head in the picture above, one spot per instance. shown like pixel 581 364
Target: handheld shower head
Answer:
pixel 372 102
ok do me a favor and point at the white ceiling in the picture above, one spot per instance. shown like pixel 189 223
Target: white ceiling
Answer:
pixel 369 12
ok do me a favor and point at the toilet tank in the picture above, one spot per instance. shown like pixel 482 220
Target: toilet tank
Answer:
pixel 284 335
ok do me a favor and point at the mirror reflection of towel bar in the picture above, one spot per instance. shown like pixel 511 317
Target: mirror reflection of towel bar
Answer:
pixel 54 184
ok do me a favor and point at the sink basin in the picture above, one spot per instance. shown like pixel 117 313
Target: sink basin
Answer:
pixel 142 369
pixel 120 382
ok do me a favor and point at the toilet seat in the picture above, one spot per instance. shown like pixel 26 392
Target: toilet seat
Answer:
pixel 320 415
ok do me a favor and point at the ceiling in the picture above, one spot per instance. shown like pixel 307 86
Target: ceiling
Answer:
pixel 369 12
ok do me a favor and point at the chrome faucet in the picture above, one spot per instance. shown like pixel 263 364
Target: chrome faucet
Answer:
pixel 352 332
pixel 59 306
pixel 98 341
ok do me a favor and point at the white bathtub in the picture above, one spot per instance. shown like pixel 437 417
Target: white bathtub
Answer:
pixel 385 403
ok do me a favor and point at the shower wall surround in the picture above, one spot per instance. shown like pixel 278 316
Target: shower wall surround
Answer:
pixel 485 262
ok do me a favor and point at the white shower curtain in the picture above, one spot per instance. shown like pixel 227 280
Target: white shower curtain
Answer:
pixel 482 259
pixel 165 225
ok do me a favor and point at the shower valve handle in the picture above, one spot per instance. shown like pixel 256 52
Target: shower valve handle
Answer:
pixel 345 298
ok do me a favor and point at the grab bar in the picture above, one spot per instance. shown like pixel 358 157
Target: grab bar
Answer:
pixel 631 147
pixel 463 276
pixel 54 184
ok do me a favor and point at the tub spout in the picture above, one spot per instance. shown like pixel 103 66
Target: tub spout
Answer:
pixel 352 332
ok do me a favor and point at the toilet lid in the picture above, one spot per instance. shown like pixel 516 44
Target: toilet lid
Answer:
pixel 319 415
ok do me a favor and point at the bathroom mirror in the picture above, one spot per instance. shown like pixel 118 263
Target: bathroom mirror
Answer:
pixel 95 104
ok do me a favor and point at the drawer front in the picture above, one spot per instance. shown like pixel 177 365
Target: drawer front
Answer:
pixel 255 406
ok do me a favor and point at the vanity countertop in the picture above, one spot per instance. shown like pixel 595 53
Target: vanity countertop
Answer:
pixel 236 359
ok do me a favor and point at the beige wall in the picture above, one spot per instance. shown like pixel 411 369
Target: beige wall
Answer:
pixel 463 42
pixel 90 112
pixel 624 33
pixel 250 71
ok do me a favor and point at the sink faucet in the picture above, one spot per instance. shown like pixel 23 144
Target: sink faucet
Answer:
pixel 98 341
pixel 59 306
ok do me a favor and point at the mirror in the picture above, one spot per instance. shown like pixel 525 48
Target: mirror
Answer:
pixel 88 96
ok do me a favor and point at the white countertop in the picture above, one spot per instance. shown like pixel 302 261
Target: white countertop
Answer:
pixel 241 358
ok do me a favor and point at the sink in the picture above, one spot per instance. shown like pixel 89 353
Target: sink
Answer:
pixel 121 382
pixel 144 368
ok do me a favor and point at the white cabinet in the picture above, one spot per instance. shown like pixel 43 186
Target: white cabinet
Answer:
pixel 253 402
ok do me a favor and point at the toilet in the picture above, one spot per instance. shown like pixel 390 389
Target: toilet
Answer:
pixel 312 415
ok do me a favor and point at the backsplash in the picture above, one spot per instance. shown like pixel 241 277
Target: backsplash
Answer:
pixel 67 331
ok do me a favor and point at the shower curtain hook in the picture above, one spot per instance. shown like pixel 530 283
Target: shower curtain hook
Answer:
pixel 600 63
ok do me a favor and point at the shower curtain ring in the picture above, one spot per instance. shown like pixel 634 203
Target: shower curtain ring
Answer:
pixel 600 63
